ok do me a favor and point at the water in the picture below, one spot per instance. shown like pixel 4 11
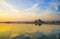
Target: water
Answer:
pixel 13 30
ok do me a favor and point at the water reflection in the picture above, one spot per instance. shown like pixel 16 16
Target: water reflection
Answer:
pixel 29 31
pixel 37 35
pixel 38 24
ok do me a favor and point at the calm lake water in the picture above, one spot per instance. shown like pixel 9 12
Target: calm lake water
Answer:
pixel 17 29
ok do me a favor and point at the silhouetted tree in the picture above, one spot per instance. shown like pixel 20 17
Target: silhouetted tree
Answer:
pixel 36 22
pixel 39 20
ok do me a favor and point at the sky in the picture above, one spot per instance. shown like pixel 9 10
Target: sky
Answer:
pixel 27 10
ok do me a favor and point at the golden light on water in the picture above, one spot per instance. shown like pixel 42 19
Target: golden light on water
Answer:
pixel 17 29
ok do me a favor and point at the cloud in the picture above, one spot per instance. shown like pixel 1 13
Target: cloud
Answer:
pixel 31 8
pixel 9 13
pixel 48 15
pixel 6 6
pixel 55 4
pixel 1 0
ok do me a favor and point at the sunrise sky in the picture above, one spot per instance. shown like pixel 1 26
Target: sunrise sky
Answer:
pixel 25 10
